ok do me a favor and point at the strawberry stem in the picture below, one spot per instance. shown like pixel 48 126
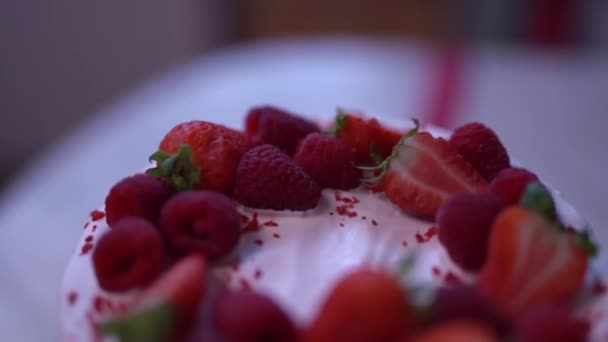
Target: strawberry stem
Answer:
pixel 383 166
pixel 179 169
pixel 155 323
pixel 340 121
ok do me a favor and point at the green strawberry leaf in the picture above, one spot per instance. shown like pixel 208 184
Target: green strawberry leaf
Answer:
pixel 339 122
pixel 154 324
pixel 179 170
pixel 537 198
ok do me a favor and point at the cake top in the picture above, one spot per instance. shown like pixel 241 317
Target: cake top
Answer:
pixel 355 231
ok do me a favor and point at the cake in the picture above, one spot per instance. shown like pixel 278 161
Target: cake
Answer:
pixel 296 249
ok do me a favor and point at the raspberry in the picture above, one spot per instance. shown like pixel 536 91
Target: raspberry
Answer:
pixel 551 323
pixel 268 179
pixel 140 195
pixel 203 221
pixel 328 161
pixel 129 256
pixel 510 184
pixel 480 146
pixel 465 223
pixel 274 126
pixel 248 316
pixel 464 302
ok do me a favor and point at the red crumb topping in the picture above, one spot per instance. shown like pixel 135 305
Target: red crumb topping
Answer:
pixel 426 236
pixel 257 274
pixel 599 287
pixel 276 236
pixel 436 271
pixel 374 222
pixel 331 213
pixel 253 225
pixel 89 238
pixel 94 228
pixel 338 196
pixel 97 215
pixel 404 243
pixel 98 304
pixel 86 248
pixel 86 225
pixel 72 298
pixel 363 218
pixel 341 224
pixel 345 209
pixel 259 242
pixel 245 284
pixel 452 279
pixel 271 223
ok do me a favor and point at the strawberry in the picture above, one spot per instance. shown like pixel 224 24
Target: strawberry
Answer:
pixel 457 330
pixel 211 161
pixel 167 308
pixel 370 141
pixel 423 172
pixel 367 305
pixel 532 259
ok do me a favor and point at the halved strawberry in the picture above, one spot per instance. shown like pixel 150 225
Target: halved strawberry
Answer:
pixel 367 138
pixel 532 260
pixel 423 172
pixel 167 308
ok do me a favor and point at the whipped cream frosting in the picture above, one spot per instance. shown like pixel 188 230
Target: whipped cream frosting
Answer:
pixel 297 257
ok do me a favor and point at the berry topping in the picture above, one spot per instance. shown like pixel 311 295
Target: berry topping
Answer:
pixel 457 330
pixel 166 310
pixel 328 161
pixel 268 179
pixel 551 323
pixel 274 126
pixel 531 261
pixel 178 170
pixel 464 302
pixel 370 141
pixel 366 305
pixel 129 256
pixel 202 221
pixel 249 316
pixel 465 223
pixel 216 151
pixel 423 172
pixel 510 184
pixel 137 196
pixel 480 146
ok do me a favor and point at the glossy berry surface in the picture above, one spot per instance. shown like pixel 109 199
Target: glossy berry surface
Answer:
pixel 464 224
pixel 140 195
pixel 249 316
pixel 201 221
pixel 480 146
pixel 268 179
pixel 131 255
pixel 277 127
pixel 510 184
pixel 328 161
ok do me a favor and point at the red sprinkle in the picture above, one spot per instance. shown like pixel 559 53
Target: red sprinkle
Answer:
pixel 97 215
pixel 89 238
pixel 341 224
pixel 331 213
pixel 98 304
pixel 94 228
pixel 259 242
pixel 451 279
pixel 72 298
pixel 404 243
pixel 363 218
pixel 436 271
pixel 245 284
pixel 86 248
pixel 257 274
pixel 271 223
pixel 253 225
pixel 276 236
pixel 421 238
pixel 338 196
pixel 599 287
pixel 374 222
pixel 86 225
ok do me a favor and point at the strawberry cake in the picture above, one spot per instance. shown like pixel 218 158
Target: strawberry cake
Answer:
pixel 357 231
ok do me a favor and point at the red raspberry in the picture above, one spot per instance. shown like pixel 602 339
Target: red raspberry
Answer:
pixel 465 223
pixel 328 161
pixel 129 256
pixel 480 146
pixel 205 222
pixel 248 316
pixel 274 126
pixel 551 323
pixel 465 302
pixel 267 178
pixel 140 195
pixel 510 184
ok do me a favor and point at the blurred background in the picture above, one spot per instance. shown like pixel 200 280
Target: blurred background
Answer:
pixel 88 87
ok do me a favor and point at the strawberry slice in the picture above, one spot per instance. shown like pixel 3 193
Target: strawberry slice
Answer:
pixel 423 172
pixel 168 307
pixel 532 259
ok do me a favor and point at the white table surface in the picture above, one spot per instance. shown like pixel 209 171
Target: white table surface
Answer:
pixel 550 112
